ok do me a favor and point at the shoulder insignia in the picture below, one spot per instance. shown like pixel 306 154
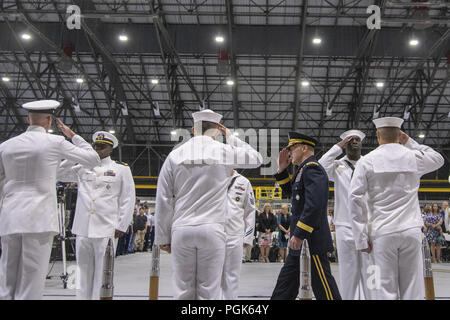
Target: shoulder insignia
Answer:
pixel 122 163
pixel 312 163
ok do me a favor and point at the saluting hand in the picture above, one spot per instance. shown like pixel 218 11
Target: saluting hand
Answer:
pixel 345 142
pixel 65 129
pixel 284 159
pixel 225 131
pixel 403 137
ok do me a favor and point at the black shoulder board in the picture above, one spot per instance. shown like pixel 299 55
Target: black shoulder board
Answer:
pixel 122 163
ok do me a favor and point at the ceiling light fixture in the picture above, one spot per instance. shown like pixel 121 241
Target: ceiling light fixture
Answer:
pixel 413 42
pixel 123 37
pixel 305 83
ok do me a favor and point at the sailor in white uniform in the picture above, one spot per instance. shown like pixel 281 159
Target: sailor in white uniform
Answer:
pixel 104 210
pixel 28 210
pixel 388 179
pixel 239 228
pixel 191 205
pixel 352 262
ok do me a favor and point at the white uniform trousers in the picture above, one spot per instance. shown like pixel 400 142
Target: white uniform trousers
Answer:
pixel 198 254
pixel 24 265
pixel 352 266
pixel 399 257
pixel 90 254
pixel 232 267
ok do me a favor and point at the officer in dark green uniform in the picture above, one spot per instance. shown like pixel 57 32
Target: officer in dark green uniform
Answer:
pixel 308 190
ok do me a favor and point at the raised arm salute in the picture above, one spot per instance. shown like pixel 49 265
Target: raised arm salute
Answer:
pixel 28 169
pixel 191 205
pixel 352 263
pixel 309 193
pixel 389 227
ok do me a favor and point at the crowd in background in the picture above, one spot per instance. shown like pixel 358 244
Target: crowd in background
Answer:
pixel 272 230
pixel 140 234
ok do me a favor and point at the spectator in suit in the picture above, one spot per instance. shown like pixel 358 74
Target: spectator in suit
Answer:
pixel 267 225
pixel 147 233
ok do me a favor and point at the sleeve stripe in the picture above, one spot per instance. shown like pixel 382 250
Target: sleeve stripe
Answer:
pixel 284 181
pixel 305 227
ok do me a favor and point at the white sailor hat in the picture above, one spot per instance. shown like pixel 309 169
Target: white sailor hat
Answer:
pixel 388 122
pixel 207 115
pixel 42 106
pixel 351 133
pixel 104 137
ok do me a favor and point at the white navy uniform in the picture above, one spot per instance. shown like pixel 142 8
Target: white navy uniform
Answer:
pixel 105 203
pixel 191 208
pixel 28 210
pixel 352 262
pixel 390 177
pixel 239 228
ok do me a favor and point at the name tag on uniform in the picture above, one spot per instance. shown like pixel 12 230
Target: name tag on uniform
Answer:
pixel 110 173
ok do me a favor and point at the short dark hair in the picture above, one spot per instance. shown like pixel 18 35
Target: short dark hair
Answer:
pixel 207 125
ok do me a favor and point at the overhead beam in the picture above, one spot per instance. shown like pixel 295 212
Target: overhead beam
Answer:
pixel 298 68
pixel 280 39
pixel 233 64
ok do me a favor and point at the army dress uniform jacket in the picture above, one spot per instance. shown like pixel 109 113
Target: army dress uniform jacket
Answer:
pixel 106 198
pixel 28 172
pixel 309 193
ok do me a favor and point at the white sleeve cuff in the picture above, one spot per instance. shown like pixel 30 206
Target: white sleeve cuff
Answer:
pixel 411 144
pixel 234 141
pixel 77 140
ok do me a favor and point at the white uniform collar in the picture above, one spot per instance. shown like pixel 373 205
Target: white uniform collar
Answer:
pixel 352 161
pixel 36 129
pixel 107 160
pixel 202 137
